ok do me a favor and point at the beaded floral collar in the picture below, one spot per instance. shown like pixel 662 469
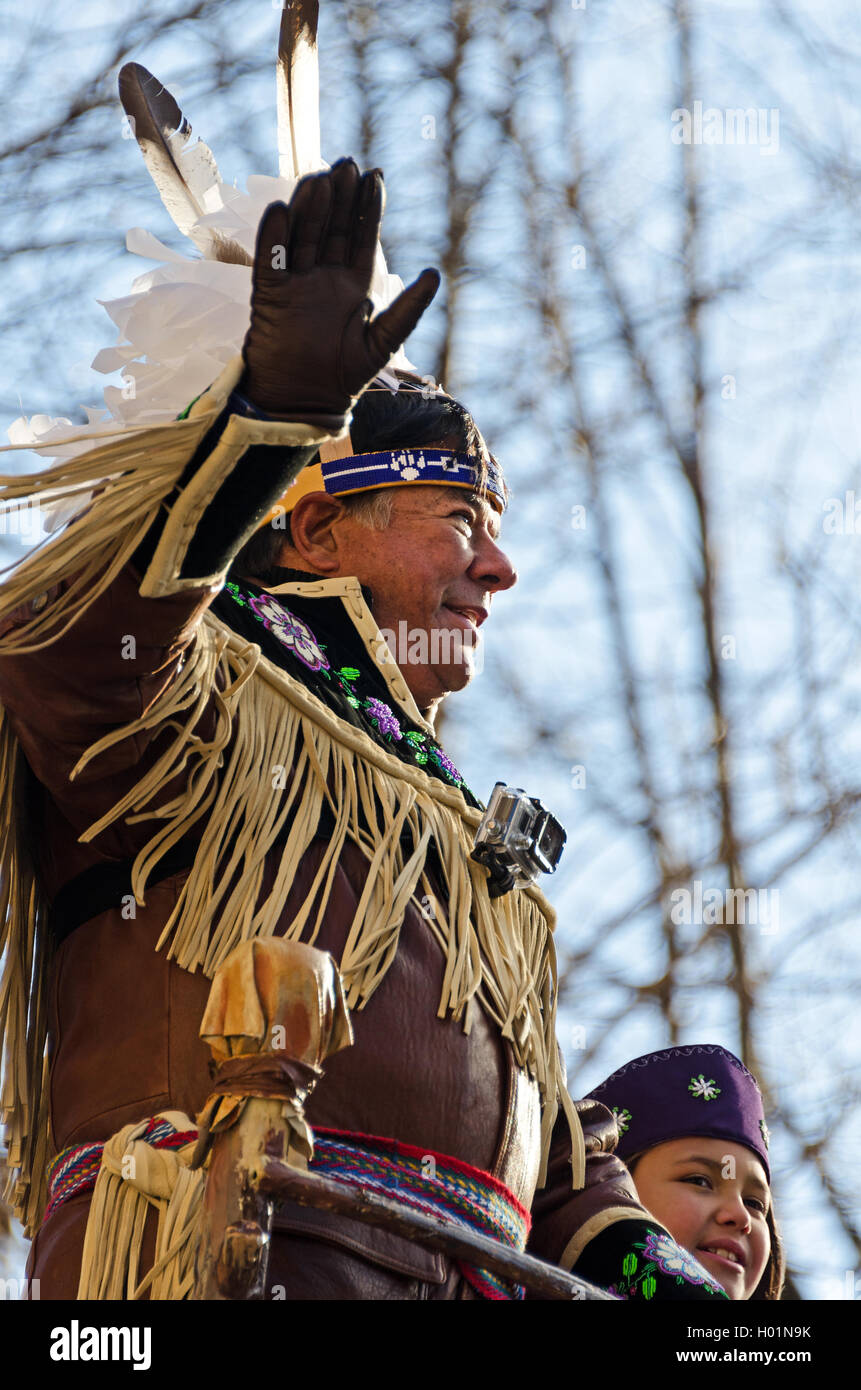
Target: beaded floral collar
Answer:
pixel 346 684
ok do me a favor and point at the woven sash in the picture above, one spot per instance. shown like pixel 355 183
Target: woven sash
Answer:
pixel 420 1179
pixel 431 1183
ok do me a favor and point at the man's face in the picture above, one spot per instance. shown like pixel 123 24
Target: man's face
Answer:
pixel 432 574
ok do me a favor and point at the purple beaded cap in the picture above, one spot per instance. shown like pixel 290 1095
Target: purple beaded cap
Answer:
pixel 680 1091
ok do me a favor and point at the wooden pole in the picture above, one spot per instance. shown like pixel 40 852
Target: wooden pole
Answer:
pixel 281 1182
pixel 236 1218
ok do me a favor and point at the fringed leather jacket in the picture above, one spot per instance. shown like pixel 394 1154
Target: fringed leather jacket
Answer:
pixel 192 759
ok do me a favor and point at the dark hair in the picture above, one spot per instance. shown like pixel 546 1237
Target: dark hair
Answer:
pixel 385 419
pixel 411 417
pixel 771 1284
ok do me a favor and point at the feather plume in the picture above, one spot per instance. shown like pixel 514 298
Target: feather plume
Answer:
pixel 298 84
pixel 185 175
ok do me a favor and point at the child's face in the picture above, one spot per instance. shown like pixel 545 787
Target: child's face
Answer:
pixel 712 1196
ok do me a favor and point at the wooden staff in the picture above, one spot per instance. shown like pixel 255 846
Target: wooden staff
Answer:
pixel 283 1182
pixel 236 1220
pixel 276 1011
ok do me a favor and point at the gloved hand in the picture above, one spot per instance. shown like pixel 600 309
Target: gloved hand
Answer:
pixel 312 346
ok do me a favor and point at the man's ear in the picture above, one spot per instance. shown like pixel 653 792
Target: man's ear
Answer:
pixel 313 527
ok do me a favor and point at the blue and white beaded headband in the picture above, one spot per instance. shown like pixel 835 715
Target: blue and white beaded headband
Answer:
pixel 395 468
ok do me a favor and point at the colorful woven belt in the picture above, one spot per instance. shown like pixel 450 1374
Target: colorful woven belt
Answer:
pixel 75 1169
pixel 431 1183
pixel 421 1179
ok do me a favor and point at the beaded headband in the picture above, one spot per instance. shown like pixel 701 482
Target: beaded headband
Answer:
pixel 340 477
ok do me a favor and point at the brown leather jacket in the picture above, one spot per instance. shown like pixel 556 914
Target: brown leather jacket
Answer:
pixel 124 1019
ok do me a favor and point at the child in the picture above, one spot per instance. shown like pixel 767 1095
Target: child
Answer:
pixel 693 1134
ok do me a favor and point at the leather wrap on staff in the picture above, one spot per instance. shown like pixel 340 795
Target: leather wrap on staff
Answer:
pixel 276 1010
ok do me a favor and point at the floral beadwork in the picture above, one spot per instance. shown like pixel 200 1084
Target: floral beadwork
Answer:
pixel 296 635
pixel 705 1090
pixel 346 676
pixel 383 717
pixel 236 593
pixel 384 720
pixel 673 1259
pixel 290 630
pixel 659 1252
pixel 444 762
pixel 623 1119
pixel 417 744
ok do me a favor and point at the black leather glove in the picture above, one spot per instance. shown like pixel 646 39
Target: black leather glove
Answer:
pixel 312 346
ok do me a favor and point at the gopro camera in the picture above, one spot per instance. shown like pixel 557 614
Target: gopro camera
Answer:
pixel 516 840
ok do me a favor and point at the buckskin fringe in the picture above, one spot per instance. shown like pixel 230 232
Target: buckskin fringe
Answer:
pixel 134 1179
pixel 23 1002
pixel 132 473
pixel 267 726
pixel 501 952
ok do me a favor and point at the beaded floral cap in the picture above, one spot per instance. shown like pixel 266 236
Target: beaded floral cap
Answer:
pixel 701 1089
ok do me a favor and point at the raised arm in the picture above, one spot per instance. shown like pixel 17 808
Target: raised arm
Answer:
pixel 105 650
pixel 311 349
